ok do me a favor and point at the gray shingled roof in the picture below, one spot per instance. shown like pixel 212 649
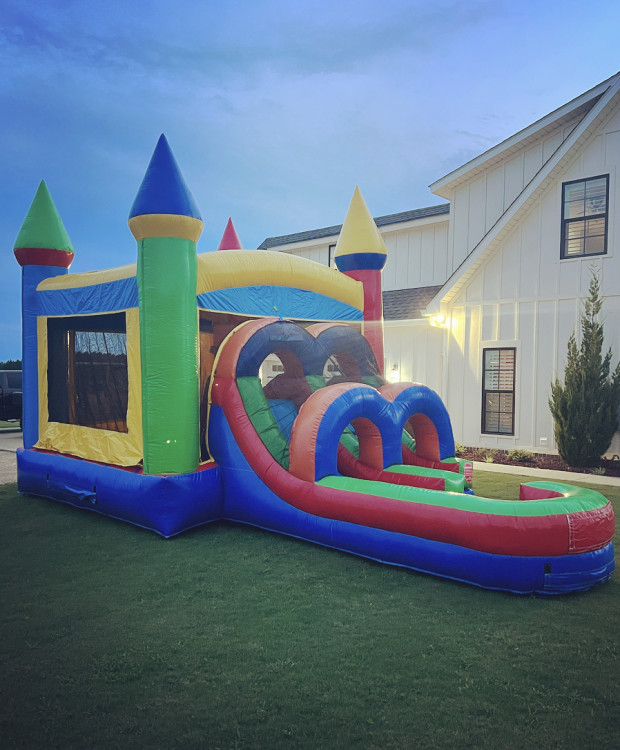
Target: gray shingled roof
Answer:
pixel 407 304
pixel 380 221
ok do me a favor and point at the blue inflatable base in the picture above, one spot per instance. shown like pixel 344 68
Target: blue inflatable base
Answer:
pixel 170 505
pixel 167 505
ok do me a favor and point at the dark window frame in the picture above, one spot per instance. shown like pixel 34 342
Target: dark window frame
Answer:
pixel 498 391
pixel 331 250
pixel 566 222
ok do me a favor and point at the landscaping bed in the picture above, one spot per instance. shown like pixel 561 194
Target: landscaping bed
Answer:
pixel 608 467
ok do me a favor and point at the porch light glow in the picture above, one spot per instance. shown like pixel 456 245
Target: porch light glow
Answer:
pixel 394 376
pixel 440 321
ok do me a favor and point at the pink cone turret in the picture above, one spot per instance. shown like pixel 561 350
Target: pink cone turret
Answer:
pixel 230 239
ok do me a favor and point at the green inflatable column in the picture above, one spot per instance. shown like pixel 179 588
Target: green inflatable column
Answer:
pixel 166 223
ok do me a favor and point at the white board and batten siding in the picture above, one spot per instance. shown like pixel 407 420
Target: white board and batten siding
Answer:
pixel 317 252
pixel 524 295
pixel 417 253
pixel 477 204
pixel 416 351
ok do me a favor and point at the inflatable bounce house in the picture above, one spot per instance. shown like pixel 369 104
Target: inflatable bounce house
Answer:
pixel 145 399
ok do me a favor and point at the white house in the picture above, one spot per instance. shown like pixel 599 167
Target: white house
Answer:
pixel 481 293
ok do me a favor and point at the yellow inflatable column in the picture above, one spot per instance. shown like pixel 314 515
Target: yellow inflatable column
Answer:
pixel 361 255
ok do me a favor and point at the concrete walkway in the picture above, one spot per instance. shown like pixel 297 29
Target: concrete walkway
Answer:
pixel 546 474
pixel 10 441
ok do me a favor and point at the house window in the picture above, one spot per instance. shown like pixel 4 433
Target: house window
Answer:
pixel 584 217
pixel 498 391
pixel 330 256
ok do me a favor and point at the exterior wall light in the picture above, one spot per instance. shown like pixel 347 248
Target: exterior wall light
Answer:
pixel 440 321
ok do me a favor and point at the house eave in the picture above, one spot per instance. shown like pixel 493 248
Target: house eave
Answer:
pixel 398 322
pixel 525 200
pixel 388 223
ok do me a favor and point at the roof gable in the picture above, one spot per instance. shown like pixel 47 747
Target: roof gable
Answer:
pixel 531 193
pixel 567 116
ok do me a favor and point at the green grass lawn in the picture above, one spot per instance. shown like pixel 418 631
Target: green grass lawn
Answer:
pixel 230 637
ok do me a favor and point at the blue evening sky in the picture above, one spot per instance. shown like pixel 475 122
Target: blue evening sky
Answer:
pixel 274 109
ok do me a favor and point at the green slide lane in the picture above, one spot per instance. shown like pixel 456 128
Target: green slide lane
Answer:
pixel 263 419
pixel 575 499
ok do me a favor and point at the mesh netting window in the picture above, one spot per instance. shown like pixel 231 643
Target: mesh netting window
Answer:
pixel 87 373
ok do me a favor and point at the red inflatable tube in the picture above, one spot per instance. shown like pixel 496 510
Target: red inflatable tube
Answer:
pixel 412 459
pixel 536 493
pixel 351 467
pixel 587 528
pixel 504 535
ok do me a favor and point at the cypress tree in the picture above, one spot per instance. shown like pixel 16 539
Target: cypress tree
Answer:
pixel 585 405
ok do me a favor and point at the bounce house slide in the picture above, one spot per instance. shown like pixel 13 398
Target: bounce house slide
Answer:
pixel 143 401
pixel 554 539
pixel 285 412
pixel 280 402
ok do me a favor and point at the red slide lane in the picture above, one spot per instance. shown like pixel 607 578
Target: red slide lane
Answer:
pixel 504 535
pixel 351 467
pixel 412 459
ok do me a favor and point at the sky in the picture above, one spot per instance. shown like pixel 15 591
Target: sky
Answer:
pixel 275 110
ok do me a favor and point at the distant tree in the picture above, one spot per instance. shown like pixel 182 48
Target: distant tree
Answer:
pixel 11 364
pixel 585 405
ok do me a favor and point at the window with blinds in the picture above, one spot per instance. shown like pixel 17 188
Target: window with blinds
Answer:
pixel 498 391
pixel 584 217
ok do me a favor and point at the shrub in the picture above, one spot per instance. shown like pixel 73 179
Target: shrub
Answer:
pixel 11 364
pixel 585 406
pixel 459 449
pixel 489 457
pixel 520 456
